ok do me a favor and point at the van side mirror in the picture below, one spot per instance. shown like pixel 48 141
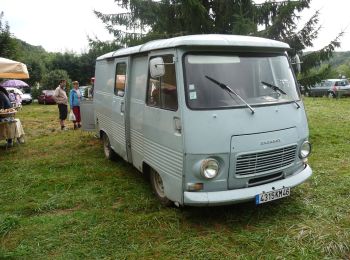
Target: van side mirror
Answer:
pixel 156 67
pixel 296 61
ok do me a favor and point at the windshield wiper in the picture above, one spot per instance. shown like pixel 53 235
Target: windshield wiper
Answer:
pixel 227 88
pixel 277 89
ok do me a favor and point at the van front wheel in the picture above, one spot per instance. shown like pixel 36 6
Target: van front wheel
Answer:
pixel 158 188
pixel 108 151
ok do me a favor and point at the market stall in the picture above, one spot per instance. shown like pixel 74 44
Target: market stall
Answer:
pixel 10 69
pixel 11 128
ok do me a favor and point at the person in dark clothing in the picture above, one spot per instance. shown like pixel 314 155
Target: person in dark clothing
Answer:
pixel 4 99
pixel 61 99
pixel 5 103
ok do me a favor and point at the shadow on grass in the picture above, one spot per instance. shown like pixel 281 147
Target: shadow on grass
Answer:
pixel 245 215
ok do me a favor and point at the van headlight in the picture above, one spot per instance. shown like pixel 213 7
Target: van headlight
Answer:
pixel 305 150
pixel 209 168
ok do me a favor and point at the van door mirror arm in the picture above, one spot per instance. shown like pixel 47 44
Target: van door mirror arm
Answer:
pixel 296 61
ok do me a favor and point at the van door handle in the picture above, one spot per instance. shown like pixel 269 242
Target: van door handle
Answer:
pixel 177 125
pixel 122 107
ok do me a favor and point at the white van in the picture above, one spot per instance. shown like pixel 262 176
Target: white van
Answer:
pixel 25 97
pixel 214 119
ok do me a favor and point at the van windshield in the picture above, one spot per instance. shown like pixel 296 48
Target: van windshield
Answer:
pixel 244 74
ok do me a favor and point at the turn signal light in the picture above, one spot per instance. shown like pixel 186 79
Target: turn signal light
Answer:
pixel 194 186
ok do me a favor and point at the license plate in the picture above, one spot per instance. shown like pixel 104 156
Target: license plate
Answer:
pixel 272 195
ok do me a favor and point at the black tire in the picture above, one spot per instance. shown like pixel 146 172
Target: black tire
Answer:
pixel 158 188
pixel 331 95
pixel 107 149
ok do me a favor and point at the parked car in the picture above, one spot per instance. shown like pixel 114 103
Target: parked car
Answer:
pixel 338 87
pixel 330 87
pixel 46 97
pixel 85 91
pixel 26 97
pixel 319 90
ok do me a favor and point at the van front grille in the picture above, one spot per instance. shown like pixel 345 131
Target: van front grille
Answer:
pixel 262 162
pixel 265 179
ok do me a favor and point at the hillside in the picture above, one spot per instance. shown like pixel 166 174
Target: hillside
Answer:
pixel 340 58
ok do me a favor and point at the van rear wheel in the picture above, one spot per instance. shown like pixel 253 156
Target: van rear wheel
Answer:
pixel 108 151
pixel 158 188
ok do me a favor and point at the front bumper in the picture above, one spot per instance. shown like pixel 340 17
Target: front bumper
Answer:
pixel 240 195
pixel 27 101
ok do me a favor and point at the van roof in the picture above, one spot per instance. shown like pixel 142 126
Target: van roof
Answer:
pixel 224 40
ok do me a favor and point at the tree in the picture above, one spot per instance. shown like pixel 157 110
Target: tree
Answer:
pixel 65 61
pixel 343 70
pixel 149 20
pixel 8 45
pixel 167 18
pixel 51 79
pixel 88 60
pixel 317 74
pixel 144 20
pixel 316 58
pixel 81 67
pixel 282 26
pixel 34 57
pixel 36 70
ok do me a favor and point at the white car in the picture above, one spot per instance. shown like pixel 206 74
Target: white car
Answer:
pixel 26 98
pixel 337 87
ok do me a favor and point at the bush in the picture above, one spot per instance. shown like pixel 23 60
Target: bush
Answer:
pixel 51 79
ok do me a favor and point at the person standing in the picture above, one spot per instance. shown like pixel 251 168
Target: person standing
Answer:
pixel 61 99
pixel 18 100
pixel 74 100
pixel 5 103
pixel 12 98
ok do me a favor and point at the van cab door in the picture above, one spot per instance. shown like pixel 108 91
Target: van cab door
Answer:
pixel 163 143
pixel 118 137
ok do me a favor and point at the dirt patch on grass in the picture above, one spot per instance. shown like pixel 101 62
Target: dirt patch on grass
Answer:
pixel 118 203
pixel 58 212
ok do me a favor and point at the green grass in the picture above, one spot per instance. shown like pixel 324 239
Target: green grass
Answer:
pixel 59 198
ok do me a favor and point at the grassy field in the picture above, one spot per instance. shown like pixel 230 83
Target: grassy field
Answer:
pixel 59 198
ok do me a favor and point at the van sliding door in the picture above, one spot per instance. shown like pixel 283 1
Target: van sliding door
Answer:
pixel 118 108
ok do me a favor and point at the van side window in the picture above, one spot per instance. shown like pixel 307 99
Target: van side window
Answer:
pixel 162 91
pixel 120 79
